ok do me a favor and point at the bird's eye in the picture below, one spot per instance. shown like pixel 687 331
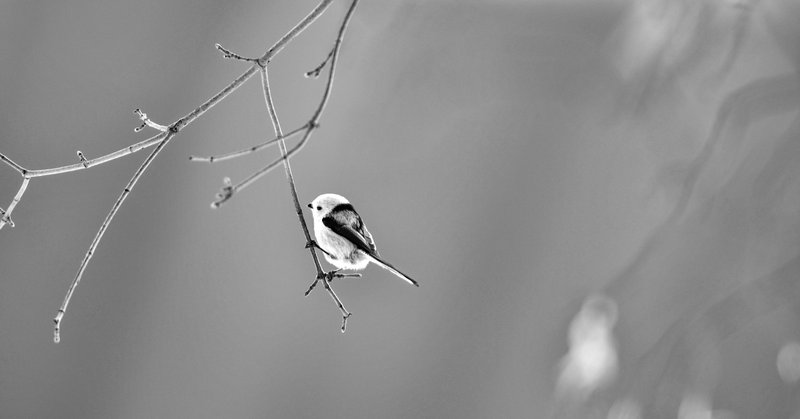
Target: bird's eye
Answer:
pixel 319 208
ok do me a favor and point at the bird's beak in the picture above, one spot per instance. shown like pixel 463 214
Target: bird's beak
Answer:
pixel 309 205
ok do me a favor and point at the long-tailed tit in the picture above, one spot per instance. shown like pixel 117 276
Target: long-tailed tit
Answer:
pixel 344 238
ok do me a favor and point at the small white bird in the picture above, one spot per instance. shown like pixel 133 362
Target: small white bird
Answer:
pixel 344 238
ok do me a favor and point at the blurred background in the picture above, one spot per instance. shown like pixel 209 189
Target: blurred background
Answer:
pixel 601 200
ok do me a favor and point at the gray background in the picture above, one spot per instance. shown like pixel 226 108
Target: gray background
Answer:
pixel 488 146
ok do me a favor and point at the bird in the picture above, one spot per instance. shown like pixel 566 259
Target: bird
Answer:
pixel 343 237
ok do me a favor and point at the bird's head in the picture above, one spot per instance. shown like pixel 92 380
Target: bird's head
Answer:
pixel 324 203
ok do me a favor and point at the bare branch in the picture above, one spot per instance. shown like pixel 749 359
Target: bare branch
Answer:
pixel 274 50
pixel 244 151
pixel 21 170
pixel 273 115
pixel 345 314
pixel 99 160
pixel 228 191
pixel 333 56
pixel 5 215
pixel 330 276
pixel 232 55
pixel 318 69
pixel 147 122
pixel 103 227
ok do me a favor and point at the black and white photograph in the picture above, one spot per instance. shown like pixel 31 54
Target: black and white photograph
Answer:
pixel 400 209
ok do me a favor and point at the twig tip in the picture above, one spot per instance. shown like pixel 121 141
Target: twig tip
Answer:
pixel 225 194
pixel 146 121
pixel 313 74
pixel 344 321
pixel 6 218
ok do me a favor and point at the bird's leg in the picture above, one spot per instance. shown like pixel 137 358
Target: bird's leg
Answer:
pixel 323 276
pixel 313 243
pixel 328 276
pixel 335 274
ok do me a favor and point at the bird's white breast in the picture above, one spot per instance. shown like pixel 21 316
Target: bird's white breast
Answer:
pixel 345 253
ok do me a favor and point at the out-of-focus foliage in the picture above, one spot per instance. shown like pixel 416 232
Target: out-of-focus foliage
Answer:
pixel 514 156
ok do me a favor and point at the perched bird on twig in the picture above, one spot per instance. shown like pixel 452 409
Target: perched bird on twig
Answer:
pixel 343 237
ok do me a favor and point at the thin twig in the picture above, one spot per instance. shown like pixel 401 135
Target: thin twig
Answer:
pixel 244 151
pixel 334 55
pixel 21 170
pixel 146 121
pixel 96 161
pixel 229 190
pixel 231 55
pixel 103 227
pixel 345 314
pixel 5 215
pixel 318 69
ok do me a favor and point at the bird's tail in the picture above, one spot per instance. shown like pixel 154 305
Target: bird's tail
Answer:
pixel 392 269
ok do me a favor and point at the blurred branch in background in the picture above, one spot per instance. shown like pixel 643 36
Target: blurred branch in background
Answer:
pixel 662 43
pixel 167 132
pixel 683 363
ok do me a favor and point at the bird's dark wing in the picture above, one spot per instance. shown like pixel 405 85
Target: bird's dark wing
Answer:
pixel 345 221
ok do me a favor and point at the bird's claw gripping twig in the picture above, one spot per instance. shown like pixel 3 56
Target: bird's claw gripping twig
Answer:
pixel 313 243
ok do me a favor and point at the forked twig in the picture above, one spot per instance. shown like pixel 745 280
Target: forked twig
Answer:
pixel 231 55
pixel 103 227
pixel 313 74
pixel 245 151
pixel 5 215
